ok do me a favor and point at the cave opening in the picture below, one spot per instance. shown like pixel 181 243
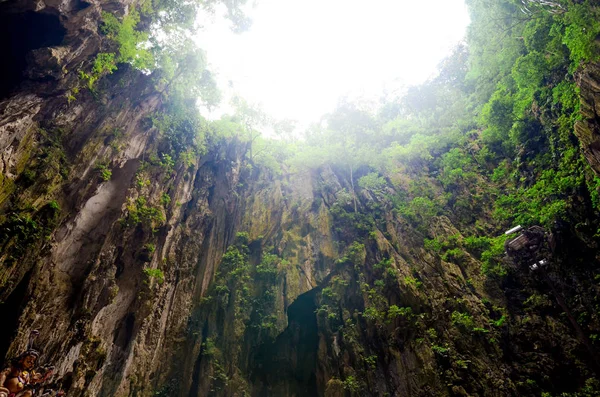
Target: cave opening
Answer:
pixel 290 362
pixel 10 312
pixel 19 34
pixel 124 334
pixel 198 365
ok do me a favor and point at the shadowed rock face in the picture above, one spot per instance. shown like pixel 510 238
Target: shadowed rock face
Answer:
pixel 21 34
pixel 288 366
pixel 588 129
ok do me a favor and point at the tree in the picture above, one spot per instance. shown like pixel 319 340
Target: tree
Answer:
pixel 183 75
pixel 349 130
pixel 251 120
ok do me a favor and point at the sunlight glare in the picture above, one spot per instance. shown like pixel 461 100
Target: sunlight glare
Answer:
pixel 300 56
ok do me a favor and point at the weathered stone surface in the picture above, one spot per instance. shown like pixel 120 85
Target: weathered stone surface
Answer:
pixel 588 129
pixel 47 62
pixel 112 329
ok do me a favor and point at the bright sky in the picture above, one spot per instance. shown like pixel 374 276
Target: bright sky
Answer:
pixel 301 56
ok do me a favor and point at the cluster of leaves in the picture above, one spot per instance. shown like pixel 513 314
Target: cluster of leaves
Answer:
pixel 49 165
pixel 104 63
pixel 105 172
pixel 331 298
pixel 489 250
pixel 350 223
pixel 140 212
pixel 157 38
pixel 183 134
pixel 128 41
pixel 155 274
pixel 266 276
pixel 20 230
pixel 247 291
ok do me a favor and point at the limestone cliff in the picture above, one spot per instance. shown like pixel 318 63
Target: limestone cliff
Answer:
pixel 587 129
pixel 217 277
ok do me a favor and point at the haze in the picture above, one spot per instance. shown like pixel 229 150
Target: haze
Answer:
pixel 300 57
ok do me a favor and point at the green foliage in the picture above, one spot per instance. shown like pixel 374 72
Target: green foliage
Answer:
pixel 355 254
pixel 464 320
pixel 268 267
pixel 352 384
pixel 492 252
pixel 22 230
pixel 395 311
pixel 497 116
pixel 333 293
pixel 476 244
pixel 129 40
pixel 434 245
pixel 141 181
pixel 165 200
pixel 441 350
pixel 450 248
pixel 500 322
pixel 456 168
pixel 150 247
pixel 209 348
pixel 242 238
pixel 419 210
pixel 487 143
pixel 373 314
pixel 139 212
pixel 388 271
pixel 250 291
pixel 51 161
pixel 370 361
pixel 326 311
pixel 183 133
pixel 234 263
pixel 453 255
pixel 536 302
pixel 431 332
pixel 549 198
pixel 167 162
pixel 411 281
pixel 582 28
pixel 349 224
pixel 155 274
pixel 103 64
pixel 219 378
pixel 105 172
pixel 373 182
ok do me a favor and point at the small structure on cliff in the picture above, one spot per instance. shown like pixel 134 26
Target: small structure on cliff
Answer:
pixel 534 248
pixel 531 248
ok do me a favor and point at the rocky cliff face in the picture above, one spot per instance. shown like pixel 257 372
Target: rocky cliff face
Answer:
pixel 216 277
pixel 587 129
pixel 69 268
pixel 73 174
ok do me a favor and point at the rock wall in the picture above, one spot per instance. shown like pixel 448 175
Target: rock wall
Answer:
pixel 216 277
pixel 69 267
pixel 72 172
pixel 587 129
